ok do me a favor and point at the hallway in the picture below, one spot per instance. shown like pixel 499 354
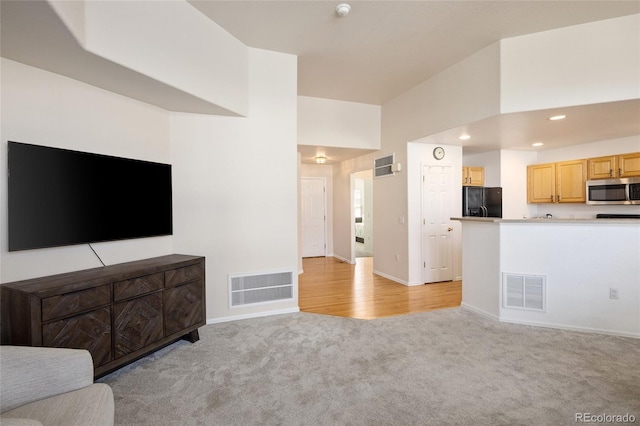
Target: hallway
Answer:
pixel 332 287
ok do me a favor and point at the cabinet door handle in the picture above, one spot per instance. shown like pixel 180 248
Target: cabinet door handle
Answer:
pixel 610 172
pixel 620 172
pixel 552 198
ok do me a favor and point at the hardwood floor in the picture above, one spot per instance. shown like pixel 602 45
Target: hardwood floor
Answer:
pixel 332 287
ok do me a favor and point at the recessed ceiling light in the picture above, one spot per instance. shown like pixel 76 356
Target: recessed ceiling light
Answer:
pixel 464 137
pixel 537 144
pixel 557 117
pixel 321 159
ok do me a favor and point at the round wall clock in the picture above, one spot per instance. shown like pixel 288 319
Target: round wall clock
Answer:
pixel 438 153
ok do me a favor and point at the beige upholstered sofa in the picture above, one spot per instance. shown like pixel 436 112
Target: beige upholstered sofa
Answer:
pixel 51 386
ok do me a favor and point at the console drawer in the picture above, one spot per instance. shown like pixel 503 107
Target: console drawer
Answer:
pixel 137 286
pixel 77 301
pixel 182 275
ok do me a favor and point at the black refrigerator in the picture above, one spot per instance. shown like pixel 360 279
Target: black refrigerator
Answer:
pixel 481 201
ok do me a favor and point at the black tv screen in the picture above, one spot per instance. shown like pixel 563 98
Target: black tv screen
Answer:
pixel 60 197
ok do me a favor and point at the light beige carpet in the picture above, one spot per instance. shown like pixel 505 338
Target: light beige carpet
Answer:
pixel 447 367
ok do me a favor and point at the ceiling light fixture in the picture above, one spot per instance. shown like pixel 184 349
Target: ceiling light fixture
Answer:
pixel 537 144
pixel 464 137
pixel 321 159
pixel 557 117
pixel 343 9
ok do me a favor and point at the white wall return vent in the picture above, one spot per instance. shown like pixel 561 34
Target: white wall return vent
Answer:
pixel 523 291
pixel 383 166
pixel 258 288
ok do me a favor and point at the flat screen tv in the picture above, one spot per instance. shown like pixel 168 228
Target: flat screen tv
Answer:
pixel 59 197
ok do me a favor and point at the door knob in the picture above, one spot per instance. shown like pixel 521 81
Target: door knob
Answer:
pixel 449 229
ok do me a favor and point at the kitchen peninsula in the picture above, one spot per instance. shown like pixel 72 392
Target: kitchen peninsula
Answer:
pixel 580 274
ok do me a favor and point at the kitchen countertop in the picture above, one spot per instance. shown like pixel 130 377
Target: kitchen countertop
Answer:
pixel 545 220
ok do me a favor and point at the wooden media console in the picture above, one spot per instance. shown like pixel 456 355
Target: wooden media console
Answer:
pixel 119 313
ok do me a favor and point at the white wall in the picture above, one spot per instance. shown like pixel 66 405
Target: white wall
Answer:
pixel 326 122
pixel 43 108
pixel 171 42
pixel 588 150
pixel 513 172
pixel 235 185
pixel 583 64
pixel 581 263
pixel 323 171
pixel 481 266
pixel 463 93
pixel 466 92
pixel 234 179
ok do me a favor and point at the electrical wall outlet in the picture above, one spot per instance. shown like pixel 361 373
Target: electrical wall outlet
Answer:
pixel 613 293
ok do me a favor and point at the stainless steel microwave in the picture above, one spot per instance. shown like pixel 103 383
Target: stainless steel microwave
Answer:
pixel 614 191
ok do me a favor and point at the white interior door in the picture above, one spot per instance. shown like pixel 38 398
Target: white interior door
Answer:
pixel 437 245
pixel 313 217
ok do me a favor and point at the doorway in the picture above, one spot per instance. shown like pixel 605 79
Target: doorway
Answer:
pixel 437 243
pixel 313 216
pixel 363 213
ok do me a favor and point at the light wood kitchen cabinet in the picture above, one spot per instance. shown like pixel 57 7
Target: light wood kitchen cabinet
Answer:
pixel 629 165
pixel 603 167
pixel 541 183
pixel 473 176
pixel 614 166
pixel 571 178
pixel 562 182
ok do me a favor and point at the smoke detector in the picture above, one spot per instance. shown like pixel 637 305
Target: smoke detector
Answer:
pixel 343 9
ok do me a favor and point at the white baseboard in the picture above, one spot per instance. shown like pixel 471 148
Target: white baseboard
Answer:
pixel 550 325
pixel 392 278
pixel 573 328
pixel 480 312
pixel 253 315
pixel 344 259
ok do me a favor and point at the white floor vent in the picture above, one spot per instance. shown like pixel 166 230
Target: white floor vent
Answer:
pixel 260 288
pixel 522 291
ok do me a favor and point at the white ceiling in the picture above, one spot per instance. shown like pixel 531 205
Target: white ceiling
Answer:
pixel 378 51
pixel 383 48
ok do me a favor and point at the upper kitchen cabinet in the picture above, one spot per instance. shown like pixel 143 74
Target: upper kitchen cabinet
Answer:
pixel 603 167
pixel 541 183
pixel 614 166
pixel 571 178
pixel 473 176
pixel 629 165
pixel 557 182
